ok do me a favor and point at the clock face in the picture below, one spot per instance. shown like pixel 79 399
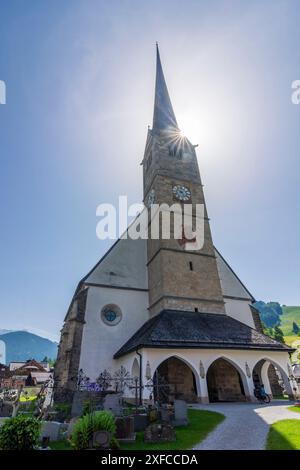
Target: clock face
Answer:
pixel 151 197
pixel 182 193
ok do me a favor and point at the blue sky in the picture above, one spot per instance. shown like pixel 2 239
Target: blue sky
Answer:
pixel 80 88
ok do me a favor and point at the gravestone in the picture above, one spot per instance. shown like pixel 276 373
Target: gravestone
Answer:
pixel 140 421
pixel 180 413
pixel 152 415
pixel 5 411
pixel 159 433
pixel 101 439
pixel 113 403
pixel 71 426
pixel 125 429
pixel 166 413
pixel 50 429
pixel 63 431
pixel 81 397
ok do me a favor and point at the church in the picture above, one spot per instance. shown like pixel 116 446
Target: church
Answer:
pixel 158 308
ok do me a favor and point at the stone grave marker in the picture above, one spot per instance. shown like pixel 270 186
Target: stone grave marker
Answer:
pixel 101 439
pixel 71 426
pixel 140 421
pixel 180 413
pixel 160 433
pixel 50 429
pixel 166 413
pixel 125 429
pixel 113 403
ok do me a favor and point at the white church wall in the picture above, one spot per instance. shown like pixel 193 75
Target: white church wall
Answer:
pixel 230 283
pixel 240 310
pixel 124 265
pixel 101 341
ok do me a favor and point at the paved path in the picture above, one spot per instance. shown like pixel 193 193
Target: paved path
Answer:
pixel 246 425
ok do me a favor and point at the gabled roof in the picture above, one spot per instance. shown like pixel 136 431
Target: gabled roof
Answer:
pixel 29 366
pixel 182 329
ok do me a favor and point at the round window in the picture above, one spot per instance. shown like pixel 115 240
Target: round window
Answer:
pixel 111 314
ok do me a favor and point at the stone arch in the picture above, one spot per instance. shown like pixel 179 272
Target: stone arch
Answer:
pixel 177 378
pixel 226 381
pixel 261 375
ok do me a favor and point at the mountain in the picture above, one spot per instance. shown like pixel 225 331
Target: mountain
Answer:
pixel 2 332
pixel 22 345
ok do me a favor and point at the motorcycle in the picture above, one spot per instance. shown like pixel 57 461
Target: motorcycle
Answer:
pixel 262 398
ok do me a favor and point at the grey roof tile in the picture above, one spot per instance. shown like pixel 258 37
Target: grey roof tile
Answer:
pixel 182 329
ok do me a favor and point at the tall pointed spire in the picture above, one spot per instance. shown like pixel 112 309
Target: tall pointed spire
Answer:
pixel 163 116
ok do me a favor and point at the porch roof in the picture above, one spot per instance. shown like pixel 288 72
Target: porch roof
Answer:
pixel 183 329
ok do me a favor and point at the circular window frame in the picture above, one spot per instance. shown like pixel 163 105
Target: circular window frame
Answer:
pixel 116 310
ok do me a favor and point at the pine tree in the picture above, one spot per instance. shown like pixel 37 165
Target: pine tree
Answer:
pixel 296 328
pixel 278 334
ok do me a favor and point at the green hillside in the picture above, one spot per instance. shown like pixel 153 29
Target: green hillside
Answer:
pixel 286 319
pixel 290 315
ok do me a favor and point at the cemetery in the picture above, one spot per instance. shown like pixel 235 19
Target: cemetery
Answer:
pixel 100 418
pixel 110 413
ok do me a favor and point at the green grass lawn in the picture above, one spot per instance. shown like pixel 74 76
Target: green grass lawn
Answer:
pixel 201 423
pixel 284 435
pixel 290 339
pixel 27 399
pixel 294 408
pixel 290 315
pixel 60 445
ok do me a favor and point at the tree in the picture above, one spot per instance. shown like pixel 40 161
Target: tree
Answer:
pixel 278 334
pixel 50 361
pixel 269 313
pixel 267 330
pixel 276 307
pixel 296 328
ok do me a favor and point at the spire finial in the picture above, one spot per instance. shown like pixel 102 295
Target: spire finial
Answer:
pixel 163 116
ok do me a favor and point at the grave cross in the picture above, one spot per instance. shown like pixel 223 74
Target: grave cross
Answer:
pixel 12 398
pixel 159 386
pixel 122 379
pixel 137 387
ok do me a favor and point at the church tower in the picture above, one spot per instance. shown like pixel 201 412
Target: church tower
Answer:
pixel 166 305
pixel 180 277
